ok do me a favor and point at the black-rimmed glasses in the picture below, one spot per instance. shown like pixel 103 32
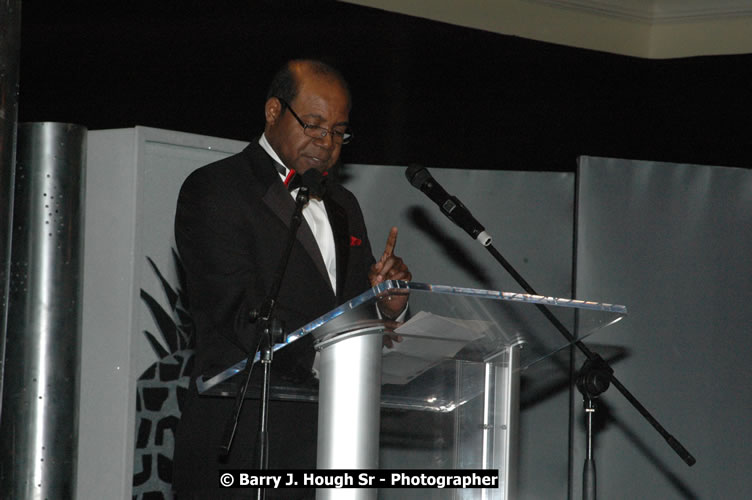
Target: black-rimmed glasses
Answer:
pixel 340 134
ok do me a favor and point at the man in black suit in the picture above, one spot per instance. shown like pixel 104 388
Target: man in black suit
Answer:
pixel 231 227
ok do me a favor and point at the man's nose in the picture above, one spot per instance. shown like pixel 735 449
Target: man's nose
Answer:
pixel 325 140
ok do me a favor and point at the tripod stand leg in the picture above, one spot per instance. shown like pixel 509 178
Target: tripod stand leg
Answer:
pixel 588 471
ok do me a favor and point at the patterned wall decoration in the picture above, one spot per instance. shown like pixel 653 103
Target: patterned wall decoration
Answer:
pixel 161 389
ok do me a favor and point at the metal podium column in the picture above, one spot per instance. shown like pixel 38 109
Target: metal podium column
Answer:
pixel 349 406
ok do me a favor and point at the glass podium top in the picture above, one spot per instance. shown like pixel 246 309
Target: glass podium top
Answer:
pixel 445 323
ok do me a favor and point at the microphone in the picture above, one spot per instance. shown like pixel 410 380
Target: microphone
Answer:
pixel 315 182
pixel 449 205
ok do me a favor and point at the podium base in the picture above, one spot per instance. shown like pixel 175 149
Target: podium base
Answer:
pixel 349 399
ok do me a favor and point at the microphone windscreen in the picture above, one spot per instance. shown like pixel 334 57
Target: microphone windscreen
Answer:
pixel 314 181
pixel 417 175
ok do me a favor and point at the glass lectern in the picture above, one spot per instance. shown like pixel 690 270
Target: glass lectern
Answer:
pixel 449 389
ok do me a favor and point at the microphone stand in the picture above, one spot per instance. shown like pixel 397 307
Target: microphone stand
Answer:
pixel 271 329
pixel 592 381
pixel 595 381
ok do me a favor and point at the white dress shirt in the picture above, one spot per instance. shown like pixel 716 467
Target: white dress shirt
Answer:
pixel 315 215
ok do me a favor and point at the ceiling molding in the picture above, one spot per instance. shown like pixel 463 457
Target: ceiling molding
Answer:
pixel 656 12
pixel 653 29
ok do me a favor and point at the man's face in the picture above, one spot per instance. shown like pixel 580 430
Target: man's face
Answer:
pixel 320 101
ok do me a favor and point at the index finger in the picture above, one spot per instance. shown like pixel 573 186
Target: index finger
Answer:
pixel 391 242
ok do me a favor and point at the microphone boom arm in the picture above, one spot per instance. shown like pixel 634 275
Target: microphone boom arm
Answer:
pixel 456 211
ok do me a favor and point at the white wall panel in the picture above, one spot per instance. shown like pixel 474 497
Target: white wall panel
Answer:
pixel 133 177
pixel 133 182
pixel 530 215
pixel 672 243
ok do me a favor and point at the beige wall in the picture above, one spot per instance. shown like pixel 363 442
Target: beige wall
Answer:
pixel 574 24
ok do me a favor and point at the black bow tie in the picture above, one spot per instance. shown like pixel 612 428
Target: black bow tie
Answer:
pixel 292 180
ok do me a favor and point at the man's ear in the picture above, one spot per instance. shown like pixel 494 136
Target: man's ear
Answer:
pixel 272 110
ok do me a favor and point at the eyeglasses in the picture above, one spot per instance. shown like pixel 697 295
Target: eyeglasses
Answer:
pixel 339 134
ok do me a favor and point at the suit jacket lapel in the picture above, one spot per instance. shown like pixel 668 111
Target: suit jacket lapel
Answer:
pixel 278 199
pixel 338 220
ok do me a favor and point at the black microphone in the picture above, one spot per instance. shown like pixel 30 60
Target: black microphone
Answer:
pixel 449 205
pixel 315 182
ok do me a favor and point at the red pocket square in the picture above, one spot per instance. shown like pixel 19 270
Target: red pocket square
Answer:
pixel 355 242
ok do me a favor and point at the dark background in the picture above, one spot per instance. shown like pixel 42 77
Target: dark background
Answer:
pixel 424 91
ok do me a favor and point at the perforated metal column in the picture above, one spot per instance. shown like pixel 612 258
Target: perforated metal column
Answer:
pixel 10 31
pixel 38 432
